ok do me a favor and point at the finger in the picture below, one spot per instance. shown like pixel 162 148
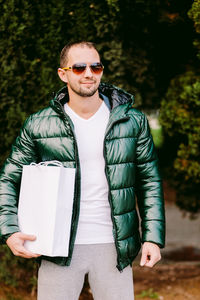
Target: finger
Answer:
pixel 149 264
pixel 153 260
pixel 26 254
pixel 28 237
pixel 29 255
pixel 21 251
pixel 32 255
pixel 144 258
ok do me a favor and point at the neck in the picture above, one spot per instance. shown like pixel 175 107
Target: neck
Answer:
pixel 84 106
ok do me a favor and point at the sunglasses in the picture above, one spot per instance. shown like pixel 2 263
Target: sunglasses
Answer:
pixel 79 68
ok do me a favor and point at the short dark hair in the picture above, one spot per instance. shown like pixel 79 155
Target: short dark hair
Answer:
pixel 67 47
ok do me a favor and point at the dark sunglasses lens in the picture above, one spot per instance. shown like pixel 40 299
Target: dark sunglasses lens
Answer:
pixel 97 68
pixel 78 68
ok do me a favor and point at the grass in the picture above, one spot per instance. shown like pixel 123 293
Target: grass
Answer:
pixel 148 293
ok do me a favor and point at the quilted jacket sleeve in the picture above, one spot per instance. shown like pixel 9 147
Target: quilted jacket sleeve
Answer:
pixel 22 153
pixel 149 188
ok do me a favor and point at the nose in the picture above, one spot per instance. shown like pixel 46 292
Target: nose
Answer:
pixel 88 72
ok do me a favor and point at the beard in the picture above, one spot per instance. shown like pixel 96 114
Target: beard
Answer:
pixel 84 91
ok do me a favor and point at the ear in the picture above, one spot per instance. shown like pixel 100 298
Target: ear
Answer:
pixel 62 74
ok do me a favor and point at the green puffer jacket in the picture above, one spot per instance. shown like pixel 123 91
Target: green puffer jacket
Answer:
pixel 131 169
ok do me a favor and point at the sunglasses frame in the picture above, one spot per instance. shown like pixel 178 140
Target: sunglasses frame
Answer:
pixel 72 68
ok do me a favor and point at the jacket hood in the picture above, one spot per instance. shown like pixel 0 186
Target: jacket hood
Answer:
pixel 116 95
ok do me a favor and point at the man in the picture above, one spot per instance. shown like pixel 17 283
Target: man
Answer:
pixel 93 127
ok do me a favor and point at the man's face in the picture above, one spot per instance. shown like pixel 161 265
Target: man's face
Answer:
pixel 85 84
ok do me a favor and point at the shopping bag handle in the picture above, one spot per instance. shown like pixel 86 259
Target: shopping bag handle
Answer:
pixel 47 163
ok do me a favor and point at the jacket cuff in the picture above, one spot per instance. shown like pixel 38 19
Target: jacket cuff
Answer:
pixel 154 232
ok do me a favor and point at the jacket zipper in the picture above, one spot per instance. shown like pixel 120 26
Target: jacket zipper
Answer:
pixel 119 267
pixel 74 223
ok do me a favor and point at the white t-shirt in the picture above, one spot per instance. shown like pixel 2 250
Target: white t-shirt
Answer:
pixel 95 225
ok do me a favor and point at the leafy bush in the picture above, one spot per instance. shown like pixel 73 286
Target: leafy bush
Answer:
pixel 17 272
pixel 180 117
pixel 194 14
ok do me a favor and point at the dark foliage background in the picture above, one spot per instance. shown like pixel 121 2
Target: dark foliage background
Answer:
pixel 141 42
pixel 180 117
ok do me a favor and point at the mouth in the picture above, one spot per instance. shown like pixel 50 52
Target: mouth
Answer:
pixel 88 82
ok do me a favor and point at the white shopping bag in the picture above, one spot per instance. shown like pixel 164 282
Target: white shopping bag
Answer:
pixel 45 207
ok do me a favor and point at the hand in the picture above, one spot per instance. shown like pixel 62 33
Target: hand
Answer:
pixel 16 244
pixel 150 255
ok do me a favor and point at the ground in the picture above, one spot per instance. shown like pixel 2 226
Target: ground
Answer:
pixel 166 281
pixel 173 281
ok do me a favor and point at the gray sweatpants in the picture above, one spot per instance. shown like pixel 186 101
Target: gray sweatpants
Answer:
pixel 99 262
